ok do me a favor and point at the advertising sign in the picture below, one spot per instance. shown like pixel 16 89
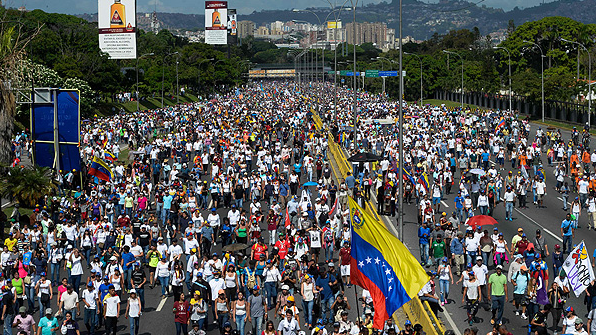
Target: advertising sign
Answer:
pixel 232 27
pixel 116 20
pixel 333 24
pixel 216 22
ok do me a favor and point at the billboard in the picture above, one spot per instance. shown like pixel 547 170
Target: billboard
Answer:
pixel 116 20
pixel 216 22
pixel 333 24
pixel 232 27
pixel 63 105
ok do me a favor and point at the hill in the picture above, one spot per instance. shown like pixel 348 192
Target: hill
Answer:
pixel 421 20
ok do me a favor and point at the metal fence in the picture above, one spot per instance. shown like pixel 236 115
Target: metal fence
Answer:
pixel 554 110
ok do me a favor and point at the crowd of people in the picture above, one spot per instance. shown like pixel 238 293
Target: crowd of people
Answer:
pixel 230 206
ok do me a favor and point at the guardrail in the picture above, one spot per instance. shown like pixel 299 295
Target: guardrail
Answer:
pixel 415 310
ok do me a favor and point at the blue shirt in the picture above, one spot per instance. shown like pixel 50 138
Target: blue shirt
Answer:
pixel 103 290
pixel 167 201
pixel 350 182
pixel 567 227
pixel 459 202
pixel 323 283
pixel 128 257
pixel 27 258
pixel 485 156
pixel 457 247
pixel 283 189
pixel 46 325
pixel 423 235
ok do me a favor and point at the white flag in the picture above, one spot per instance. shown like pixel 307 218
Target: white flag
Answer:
pixel 578 269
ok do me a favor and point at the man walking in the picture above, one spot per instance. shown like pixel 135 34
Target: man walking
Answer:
pixel 497 286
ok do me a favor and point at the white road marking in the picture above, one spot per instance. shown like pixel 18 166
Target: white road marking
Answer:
pixel 444 204
pixel 568 203
pixel 451 323
pixel 161 304
pixel 557 237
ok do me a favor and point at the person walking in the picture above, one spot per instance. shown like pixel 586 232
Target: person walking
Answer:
pixel 91 300
pixel 568 233
pixel 497 286
pixel 181 315
pixel 133 311
pixel 257 307
pixel 111 310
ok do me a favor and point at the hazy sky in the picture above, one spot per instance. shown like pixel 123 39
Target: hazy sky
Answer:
pixel 197 6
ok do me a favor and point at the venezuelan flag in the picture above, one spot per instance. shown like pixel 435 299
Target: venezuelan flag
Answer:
pixel 100 169
pixel 105 141
pixel 407 175
pixel 109 156
pixel 500 124
pixel 382 265
pixel 423 179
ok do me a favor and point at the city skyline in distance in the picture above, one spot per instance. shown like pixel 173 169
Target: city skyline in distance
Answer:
pixel 244 7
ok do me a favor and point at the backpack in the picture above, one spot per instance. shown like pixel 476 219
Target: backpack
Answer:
pixel 251 281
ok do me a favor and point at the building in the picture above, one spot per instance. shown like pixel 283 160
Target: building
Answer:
pixel 370 32
pixel 262 30
pixel 246 28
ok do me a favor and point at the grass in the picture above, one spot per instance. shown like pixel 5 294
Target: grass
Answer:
pixel 449 104
pixel 563 125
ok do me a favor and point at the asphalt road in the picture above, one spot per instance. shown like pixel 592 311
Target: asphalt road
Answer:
pixel 547 219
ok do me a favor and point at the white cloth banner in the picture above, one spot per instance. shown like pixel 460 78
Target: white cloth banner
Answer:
pixel 578 269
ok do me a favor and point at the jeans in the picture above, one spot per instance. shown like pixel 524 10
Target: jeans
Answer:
pixel 75 280
pixel 88 255
pixel 307 306
pixel 483 210
pixel 257 325
pixel 485 257
pixel 8 324
pixel 567 243
pixel 239 205
pixel 240 323
pixel 329 252
pixel 498 303
pixel 326 308
pixel 55 275
pixel 424 248
pixel 127 275
pixel 444 286
pixel 89 319
pixel 42 307
pixel 222 318
pixel 159 209
pixel 271 293
pixel 508 210
pixel 164 282
pixel 134 325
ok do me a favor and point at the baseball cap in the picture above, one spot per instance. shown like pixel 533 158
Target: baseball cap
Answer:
pixel 479 258
pixel 579 321
pixel 48 311
pixel 285 287
pixel 500 266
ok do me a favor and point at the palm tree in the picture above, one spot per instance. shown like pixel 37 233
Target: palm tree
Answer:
pixel 27 184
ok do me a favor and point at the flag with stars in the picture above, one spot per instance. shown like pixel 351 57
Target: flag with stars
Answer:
pixel 382 265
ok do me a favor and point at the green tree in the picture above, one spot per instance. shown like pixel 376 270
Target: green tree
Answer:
pixel 27 185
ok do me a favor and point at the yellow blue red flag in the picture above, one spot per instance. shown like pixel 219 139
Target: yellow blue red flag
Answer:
pixel 382 265
pixel 100 169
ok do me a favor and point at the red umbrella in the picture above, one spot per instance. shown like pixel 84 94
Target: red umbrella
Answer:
pixel 481 220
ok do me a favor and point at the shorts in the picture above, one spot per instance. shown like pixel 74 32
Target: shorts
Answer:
pixel 539 196
pixel 436 200
pixel 345 270
pixel 315 251
pixel 518 298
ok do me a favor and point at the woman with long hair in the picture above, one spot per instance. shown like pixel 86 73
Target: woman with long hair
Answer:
pixel 181 314
pixel 177 279
pixel 557 299
pixel 162 273
pixel 269 329
pixel 239 312
pixel 222 308
pixel 308 290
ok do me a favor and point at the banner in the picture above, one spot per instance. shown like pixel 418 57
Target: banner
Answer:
pixel 116 20
pixel 333 24
pixel 232 27
pixel 216 22
pixel 578 269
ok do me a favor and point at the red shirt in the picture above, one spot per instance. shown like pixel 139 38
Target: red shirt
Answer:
pixel 258 250
pixel 345 255
pixel 282 247
pixel 181 310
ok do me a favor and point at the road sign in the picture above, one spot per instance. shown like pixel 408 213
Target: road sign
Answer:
pixel 344 72
pixel 351 74
pixel 390 73
pixel 372 73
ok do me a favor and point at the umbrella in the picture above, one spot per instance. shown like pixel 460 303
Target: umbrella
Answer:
pixel 479 172
pixel 310 183
pixel 235 247
pixel 481 220
pixel 365 157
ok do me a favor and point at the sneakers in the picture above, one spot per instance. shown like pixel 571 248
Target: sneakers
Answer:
pixel 470 322
pixel 524 316
pixel 442 303
pixel 516 313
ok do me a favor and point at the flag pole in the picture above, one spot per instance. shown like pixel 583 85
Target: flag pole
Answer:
pixel 357 305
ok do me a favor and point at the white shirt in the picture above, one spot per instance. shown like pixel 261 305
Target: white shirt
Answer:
pixel 77 268
pixel 216 284
pixel 288 327
pixel 480 272
pixel 111 305
pixel 90 298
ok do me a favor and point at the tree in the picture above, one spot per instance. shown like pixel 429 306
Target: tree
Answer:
pixel 27 185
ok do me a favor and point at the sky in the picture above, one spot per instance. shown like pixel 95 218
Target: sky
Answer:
pixel 197 7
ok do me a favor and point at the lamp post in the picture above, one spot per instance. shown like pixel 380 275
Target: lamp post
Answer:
pixel 510 91
pixel 163 73
pixel 462 75
pixel 316 64
pixel 355 102
pixel 542 72
pixel 199 73
pixel 420 60
pixel 177 86
pixel 137 71
pixel 589 78
pixel 390 67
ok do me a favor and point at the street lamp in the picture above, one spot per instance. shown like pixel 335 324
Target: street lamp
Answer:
pixel 177 85
pixel 316 38
pixel 390 67
pixel 199 73
pixel 510 91
pixel 163 73
pixel 137 71
pixel 542 72
pixel 462 75
pixel 420 60
pixel 589 78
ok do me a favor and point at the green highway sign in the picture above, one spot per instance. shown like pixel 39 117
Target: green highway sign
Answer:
pixel 372 73
pixel 344 72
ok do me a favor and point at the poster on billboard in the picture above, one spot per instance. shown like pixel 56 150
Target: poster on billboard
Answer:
pixel 116 20
pixel 333 24
pixel 232 27
pixel 216 22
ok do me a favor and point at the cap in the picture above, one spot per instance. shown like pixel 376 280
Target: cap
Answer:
pixel 113 258
pixel 569 309
pixel 408 323
pixel 132 291
pixel 291 298
pixel 227 324
pixel 537 231
pixel 48 311
pixel 90 284
pixel 479 258
pixel 335 324
pixel 471 273
pixel 500 266
pixel 22 309
pixel 579 321
pixel 285 287
pixel 520 229
pixel 331 265
pixel 523 267
pixel 495 229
